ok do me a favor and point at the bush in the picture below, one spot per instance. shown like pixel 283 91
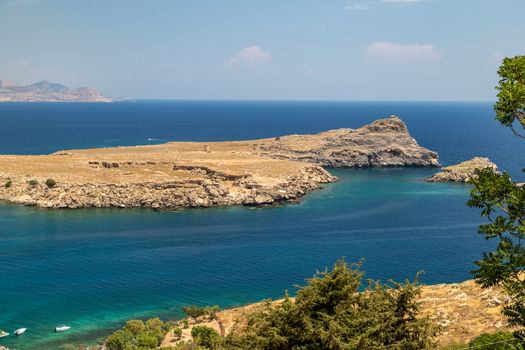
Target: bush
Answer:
pixel 496 341
pixel 135 327
pixel 138 335
pixel 204 336
pixel 194 311
pixel 211 311
pixel 120 340
pixel 177 332
pixel 50 183
pixel 334 311
pixel 32 183
pixel 185 324
pixel 8 184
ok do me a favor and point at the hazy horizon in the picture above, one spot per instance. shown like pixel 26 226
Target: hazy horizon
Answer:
pixel 340 50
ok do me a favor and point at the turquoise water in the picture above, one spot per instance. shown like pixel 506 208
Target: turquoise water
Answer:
pixel 93 269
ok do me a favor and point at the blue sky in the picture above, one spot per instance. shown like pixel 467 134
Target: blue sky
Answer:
pixel 249 49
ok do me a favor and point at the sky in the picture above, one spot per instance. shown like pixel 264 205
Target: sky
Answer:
pixel 270 49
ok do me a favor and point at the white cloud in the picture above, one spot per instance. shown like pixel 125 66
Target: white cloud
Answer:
pixel 356 8
pixel 249 55
pixel 401 51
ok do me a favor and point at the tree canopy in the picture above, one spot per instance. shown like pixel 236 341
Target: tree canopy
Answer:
pixel 335 311
pixel 502 202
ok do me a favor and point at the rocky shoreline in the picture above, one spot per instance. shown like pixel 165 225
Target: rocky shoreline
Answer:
pixel 463 172
pixel 190 174
pixel 168 195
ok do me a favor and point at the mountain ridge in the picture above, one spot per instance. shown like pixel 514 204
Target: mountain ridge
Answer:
pixel 46 91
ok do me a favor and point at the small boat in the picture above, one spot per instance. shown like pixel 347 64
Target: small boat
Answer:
pixel 62 328
pixel 3 334
pixel 20 331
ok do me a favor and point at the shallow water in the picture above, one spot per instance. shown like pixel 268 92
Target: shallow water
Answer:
pixel 93 269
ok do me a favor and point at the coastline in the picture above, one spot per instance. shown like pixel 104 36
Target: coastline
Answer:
pixel 197 174
pixel 462 310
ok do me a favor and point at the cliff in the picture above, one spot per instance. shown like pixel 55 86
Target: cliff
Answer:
pixel 463 171
pixel 45 91
pixel 383 143
pixel 190 174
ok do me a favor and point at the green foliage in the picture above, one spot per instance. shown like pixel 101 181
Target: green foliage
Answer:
pixel 194 311
pixel 502 202
pixel 510 107
pixel 211 311
pixel 50 183
pixel 137 335
pixel 32 183
pixel 334 311
pixel 330 312
pixel 177 332
pixel 206 337
pixel 8 184
pixel 121 340
pixel 185 324
pixel 496 341
pixel 135 327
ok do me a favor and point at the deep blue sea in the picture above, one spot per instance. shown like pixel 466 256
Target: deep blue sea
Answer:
pixel 95 268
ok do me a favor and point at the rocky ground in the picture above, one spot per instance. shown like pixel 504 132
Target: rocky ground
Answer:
pixel 191 174
pixel 462 172
pixel 463 310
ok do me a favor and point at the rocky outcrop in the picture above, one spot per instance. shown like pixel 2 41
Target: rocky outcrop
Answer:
pixel 384 143
pixel 463 171
pixel 191 174
pixel 45 91
pixel 207 191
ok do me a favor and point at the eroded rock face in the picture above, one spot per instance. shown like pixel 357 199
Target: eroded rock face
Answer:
pixel 384 143
pixel 189 193
pixel 463 171
pixel 191 174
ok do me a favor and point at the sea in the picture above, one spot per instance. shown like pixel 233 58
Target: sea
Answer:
pixel 93 269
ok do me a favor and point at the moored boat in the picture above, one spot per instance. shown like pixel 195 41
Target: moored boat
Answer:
pixel 62 328
pixel 20 331
pixel 3 333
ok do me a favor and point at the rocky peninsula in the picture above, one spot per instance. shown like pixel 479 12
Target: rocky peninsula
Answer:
pixel 45 91
pixel 193 174
pixel 463 171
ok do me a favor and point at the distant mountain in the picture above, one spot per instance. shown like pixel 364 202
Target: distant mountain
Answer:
pixel 45 91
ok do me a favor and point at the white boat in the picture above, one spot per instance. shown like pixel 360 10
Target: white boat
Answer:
pixel 62 328
pixel 20 331
pixel 3 334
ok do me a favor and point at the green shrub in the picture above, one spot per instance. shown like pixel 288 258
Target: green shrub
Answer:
pixel 120 340
pixel 334 311
pixel 50 183
pixel 32 183
pixel 211 311
pixel 185 324
pixel 147 340
pixel 8 184
pixel 496 341
pixel 194 311
pixel 138 335
pixel 177 332
pixel 204 336
pixel 135 327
